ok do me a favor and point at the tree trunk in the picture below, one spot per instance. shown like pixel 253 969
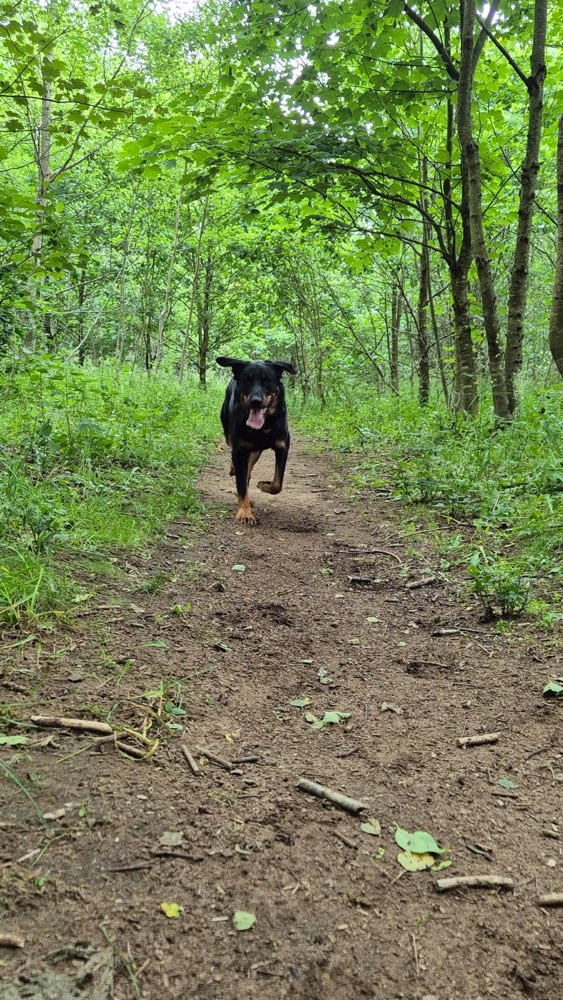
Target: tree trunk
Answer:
pixel 556 318
pixel 437 345
pixel 466 390
pixel 81 297
pixel 421 325
pixel 204 325
pixel 471 161
pixel 195 281
pixel 519 274
pixel 395 326
pixel 164 314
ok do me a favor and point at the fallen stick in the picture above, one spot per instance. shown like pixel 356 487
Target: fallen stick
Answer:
pixel 84 725
pixel 130 751
pixel 372 552
pixel 345 840
pixel 424 582
pixel 249 758
pixel 11 941
pixel 476 741
pixel 337 799
pixel 215 759
pixel 474 882
pixel 551 899
pixel 189 759
pixel 116 741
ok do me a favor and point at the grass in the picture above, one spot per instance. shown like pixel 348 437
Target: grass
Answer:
pixel 92 460
pixel 500 489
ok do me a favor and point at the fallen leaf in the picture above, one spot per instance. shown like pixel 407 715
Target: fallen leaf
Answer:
pixel 415 862
pixel 323 677
pixel 243 921
pixel 331 719
pixel 231 737
pixel 239 568
pixel 300 702
pixel 80 598
pixel 554 688
pixel 379 854
pixel 507 783
pixel 389 706
pixel 418 842
pixel 354 642
pixel 222 647
pixel 373 620
pixel 172 910
pixel 12 741
pixel 372 826
pixel 326 571
pixel 171 838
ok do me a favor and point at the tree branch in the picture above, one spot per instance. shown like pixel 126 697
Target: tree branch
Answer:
pixel 504 52
pixel 436 42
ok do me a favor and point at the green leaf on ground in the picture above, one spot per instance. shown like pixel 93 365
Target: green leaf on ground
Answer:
pixel 507 783
pixel 300 702
pixel 328 719
pixel 379 854
pixel 172 910
pixel 372 826
pixel 171 838
pixel 12 741
pixel 243 921
pixel 239 568
pixel 373 620
pixel 554 689
pixel 418 842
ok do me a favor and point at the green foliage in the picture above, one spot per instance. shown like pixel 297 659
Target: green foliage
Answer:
pixel 90 459
pixel 502 487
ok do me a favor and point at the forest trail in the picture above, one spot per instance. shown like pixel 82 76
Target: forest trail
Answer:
pixel 336 917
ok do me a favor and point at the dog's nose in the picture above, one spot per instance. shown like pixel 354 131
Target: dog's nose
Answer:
pixel 255 402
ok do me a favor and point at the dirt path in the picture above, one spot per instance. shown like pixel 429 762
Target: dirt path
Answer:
pixel 334 919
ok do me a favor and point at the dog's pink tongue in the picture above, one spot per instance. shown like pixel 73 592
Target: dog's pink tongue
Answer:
pixel 256 420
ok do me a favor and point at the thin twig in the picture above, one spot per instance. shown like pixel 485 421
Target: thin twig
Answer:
pixel 189 759
pixel 215 759
pixel 337 799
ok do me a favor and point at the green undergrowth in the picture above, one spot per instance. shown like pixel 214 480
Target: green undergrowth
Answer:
pixel 499 489
pixel 92 460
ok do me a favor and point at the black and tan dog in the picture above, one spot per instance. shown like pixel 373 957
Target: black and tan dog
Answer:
pixel 254 419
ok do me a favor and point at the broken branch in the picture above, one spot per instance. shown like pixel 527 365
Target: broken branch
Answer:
pixel 84 725
pixel 551 899
pixel 337 799
pixel 189 759
pixel 425 581
pixel 474 882
pixel 215 759
pixel 476 741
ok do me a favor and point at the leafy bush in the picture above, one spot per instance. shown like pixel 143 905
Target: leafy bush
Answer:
pixel 505 485
pixel 91 458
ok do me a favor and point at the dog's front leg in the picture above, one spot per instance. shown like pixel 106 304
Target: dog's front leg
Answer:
pixel 244 510
pixel 281 450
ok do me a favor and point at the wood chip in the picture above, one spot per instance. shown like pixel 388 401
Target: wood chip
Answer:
pixel 11 941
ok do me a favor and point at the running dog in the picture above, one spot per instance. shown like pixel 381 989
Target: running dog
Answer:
pixel 254 419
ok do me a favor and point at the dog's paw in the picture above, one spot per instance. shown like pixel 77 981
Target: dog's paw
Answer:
pixel 245 515
pixel 268 487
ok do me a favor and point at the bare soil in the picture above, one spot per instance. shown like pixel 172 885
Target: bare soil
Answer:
pixel 312 616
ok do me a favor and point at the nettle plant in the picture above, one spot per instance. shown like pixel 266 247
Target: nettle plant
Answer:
pixel 501 589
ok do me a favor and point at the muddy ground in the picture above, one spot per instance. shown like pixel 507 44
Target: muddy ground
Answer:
pixel 312 616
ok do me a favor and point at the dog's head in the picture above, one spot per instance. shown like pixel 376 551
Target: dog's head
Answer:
pixel 258 386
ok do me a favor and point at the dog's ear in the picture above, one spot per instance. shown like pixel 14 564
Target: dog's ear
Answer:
pixel 233 363
pixel 281 367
